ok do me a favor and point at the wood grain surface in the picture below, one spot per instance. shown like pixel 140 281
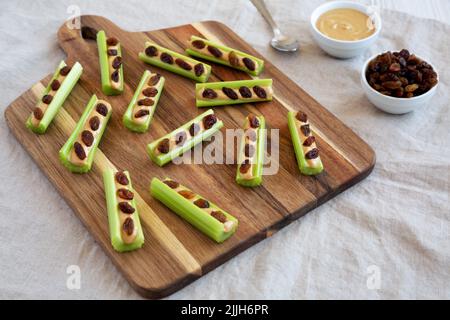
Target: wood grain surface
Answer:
pixel 175 253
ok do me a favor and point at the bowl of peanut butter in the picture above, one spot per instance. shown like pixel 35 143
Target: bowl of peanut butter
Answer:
pixel 345 29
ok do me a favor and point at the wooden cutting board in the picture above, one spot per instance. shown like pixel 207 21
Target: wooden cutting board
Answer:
pixel 175 253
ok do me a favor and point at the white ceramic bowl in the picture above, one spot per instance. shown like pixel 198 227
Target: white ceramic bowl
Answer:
pixel 339 48
pixel 396 105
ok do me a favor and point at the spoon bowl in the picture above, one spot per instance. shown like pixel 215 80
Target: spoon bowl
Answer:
pixel 285 44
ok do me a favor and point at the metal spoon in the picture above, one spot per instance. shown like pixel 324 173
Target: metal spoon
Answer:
pixel 280 41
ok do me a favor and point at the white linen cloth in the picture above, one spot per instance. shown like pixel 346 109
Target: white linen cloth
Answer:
pixel 395 224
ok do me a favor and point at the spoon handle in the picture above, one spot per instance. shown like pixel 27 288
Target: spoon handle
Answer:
pixel 261 6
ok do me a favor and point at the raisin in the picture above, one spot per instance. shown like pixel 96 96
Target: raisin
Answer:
pixel 94 123
pixel 125 207
pixel 112 41
pixel 199 44
pixel 404 54
pixel 209 94
pixel 260 92
pixel 122 178
pixel 154 80
pixel 214 51
pixel 253 121
pixel 172 184
pixel 302 117
pixel 209 121
pixel 87 137
pixel 65 70
pixel 245 92
pixel 151 51
pixel 183 64
pixel 305 129
pixel 102 109
pixel 115 76
pixel 199 69
pixel 411 88
pixel 201 203
pixel 395 67
pixel 249 150
pixel 194 129
pixel 142 113
pixel 230 93
pixel 79 151
pixel 245 166
pixel 164 146
pixel 128 226
pixel 146 102
pixel 117 62
pixel 88 33
pixel 47 99
pixel 112 52
pixel 125 194
pixel 55 85
pixel 150 92
pixel 166 58
pixel 249 63
pixel 309 141
pixel 313 154
pixel 180 138
pixel 186 194
pixel 219 215
pixel 233 59
pixel 392 84
pixel 399 92
pixel 38 114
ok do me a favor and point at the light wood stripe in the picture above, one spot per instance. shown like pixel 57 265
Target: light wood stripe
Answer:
pixel 210 36
pixel 148 217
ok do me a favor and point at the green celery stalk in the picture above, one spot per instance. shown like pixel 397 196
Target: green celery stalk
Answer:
pixel 163 159
pixel 60 97
pixel 196 216
pixel 104 66
pixel 298 148
pixel 115 226
pixel 128 115
pixel 202 102
pixel 155 61
pixel 64 153
pixel 257 166
pixel 197 53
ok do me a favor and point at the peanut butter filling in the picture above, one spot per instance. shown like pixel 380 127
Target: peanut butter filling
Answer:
pixel 227 225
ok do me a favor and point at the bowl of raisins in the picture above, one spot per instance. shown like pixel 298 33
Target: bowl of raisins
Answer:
pixel 399 82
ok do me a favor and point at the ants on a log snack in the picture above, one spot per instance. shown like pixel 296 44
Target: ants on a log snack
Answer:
pixel 174 62
pixel 111 69
pixel 78 152
pixel 251 152
pixel 174 144
pixel 304 142
pixel 140 111
pixel 401 75
pixel 233 92
pixel 124 223
pixel 199 212
pixel 53 97
pixel 215 52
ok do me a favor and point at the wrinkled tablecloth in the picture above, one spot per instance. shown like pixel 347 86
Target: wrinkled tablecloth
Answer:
pixel 388 237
